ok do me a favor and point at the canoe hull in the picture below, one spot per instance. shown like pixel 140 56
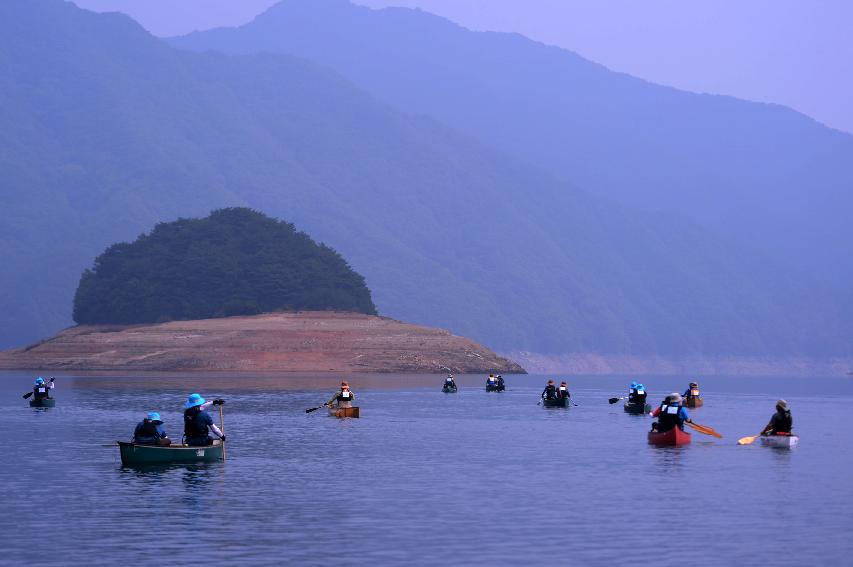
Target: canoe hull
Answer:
pixel 672 438
pixel 783 441
pixel 142 455
pixel 560 403
pixel 449 390
pixel 45 403
pixel 694 402
pixel 495 388
pixel 636 409
pixel 344 412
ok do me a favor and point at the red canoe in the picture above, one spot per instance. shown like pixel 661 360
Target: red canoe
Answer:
pixel 673 437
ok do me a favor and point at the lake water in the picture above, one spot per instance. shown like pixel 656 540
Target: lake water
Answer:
pixel 426 478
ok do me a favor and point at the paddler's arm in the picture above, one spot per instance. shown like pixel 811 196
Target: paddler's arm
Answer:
pixel 216 430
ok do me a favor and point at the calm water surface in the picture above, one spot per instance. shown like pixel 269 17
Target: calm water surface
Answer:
pixel 425 478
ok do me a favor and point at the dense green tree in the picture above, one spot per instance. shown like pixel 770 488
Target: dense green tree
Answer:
pixel 235 262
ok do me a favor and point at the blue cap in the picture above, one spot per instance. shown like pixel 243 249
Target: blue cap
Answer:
pixel 634 384
pixel 39 381
pixel 194 400
pixel 154 416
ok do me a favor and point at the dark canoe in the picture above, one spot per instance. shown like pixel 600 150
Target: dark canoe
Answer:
pixel 490 388
pixel 636 408
pixel 344 412
pixel 693 402
pixel 447 390
pixel 136 455
pixel 674 437
pixel 558 403
pixel 43 403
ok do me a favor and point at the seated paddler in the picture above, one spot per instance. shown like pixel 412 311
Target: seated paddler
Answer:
pixel 692 391
pixel 342 398
pixel 150 431
pixel 491 381
pixel 563 391
pixel 670 414
pixel 198 423
pixel 550 391
pixel 500 381
pixel 449 382
pixel 637 393
pixel 41 390
pixel 781 423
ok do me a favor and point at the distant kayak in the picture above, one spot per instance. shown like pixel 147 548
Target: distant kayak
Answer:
pixel 139 455
pixel 344 412
pixel 556 403
pixel 673 437
pixel 636 408
pixel 693 402
pixel 43 403
pixel 784 441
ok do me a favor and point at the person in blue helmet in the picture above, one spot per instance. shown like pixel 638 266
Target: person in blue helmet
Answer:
pixel 670 414
pixel 198 423
pixel 449 383
pixel 637 393
pixel 41 390
pixel 150 431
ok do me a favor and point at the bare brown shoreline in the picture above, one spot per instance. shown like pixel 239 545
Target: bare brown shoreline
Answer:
pixel 304 342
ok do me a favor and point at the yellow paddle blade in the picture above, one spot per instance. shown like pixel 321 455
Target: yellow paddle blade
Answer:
pixel 705 429
pixel 747 440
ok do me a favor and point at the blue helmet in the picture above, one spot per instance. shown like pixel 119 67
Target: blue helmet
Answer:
pixel 39 381
pixel 154 416
pixel 194 400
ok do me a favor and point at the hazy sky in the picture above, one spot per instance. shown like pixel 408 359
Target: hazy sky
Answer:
pixel 794 52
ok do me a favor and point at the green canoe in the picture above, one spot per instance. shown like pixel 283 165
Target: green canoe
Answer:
pixel 556 403
pixel 43 403
pixel 637 408
pixel 135 455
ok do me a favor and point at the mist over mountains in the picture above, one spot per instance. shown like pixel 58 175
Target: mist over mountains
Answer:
pixel 107 130
pixel 763 175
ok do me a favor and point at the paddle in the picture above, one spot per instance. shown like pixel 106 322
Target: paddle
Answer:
pixel 318 407
pixel 748 440
pixel 221 426
pixel 614 400
pixel 704 429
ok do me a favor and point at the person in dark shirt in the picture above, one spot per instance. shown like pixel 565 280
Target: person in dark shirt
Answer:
pixel 563 391
pixel 550 391
pixel 150 431
pixel 197 422
pixel 781 423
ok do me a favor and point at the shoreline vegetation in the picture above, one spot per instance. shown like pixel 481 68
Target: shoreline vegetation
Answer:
pixel 308 341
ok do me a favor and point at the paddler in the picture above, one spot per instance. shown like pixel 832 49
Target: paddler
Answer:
pixel 692 391
pixel 637 394
pixel 500 382
pixel 563 391
pixel 550 391
pixel 197 421
pixel 670 414
pixel 41 390
pixel 343 398
pixel 449 382
pixel 490 381
pixel 150 431
pixel 781 423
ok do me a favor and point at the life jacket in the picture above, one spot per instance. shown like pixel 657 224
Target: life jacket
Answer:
pixel 669 417
pixel 146 432
pixel 563 392
pixel 41 392
pixel 783 423
pixel 693 393
pixel 193 427
pixel 344 396
pixel 550 392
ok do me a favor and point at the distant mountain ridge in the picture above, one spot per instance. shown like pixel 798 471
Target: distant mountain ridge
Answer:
pixel 763 175
pixel 107 130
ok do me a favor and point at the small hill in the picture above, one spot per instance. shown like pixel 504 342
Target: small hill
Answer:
pixel 280 342
pixel 234 262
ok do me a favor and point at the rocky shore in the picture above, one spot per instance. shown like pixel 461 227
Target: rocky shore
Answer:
pixel 279 342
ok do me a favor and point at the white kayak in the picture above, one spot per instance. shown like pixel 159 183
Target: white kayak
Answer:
pixel 780 440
